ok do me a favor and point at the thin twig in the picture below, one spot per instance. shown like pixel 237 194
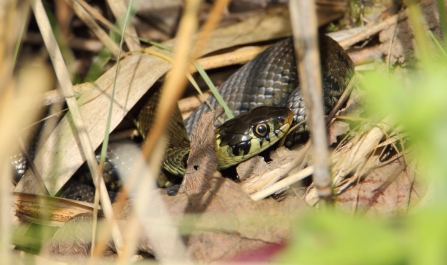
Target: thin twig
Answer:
pixel 304 24
pixel 371 30
pixel 33 167
pixel 342 99
pixel 388 59
pixel 283 183
pixel 365 55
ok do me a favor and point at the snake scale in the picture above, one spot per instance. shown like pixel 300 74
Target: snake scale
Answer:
pixel 270 79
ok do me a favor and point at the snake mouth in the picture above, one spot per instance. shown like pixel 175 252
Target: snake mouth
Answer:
pixel 251 133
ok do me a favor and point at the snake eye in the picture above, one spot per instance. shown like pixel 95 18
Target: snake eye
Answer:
pixel 261 129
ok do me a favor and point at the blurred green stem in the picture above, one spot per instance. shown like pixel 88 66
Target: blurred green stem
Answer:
pixel 416 18
pixel 443 19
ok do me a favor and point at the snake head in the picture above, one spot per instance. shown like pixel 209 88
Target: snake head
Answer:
pixel 251 133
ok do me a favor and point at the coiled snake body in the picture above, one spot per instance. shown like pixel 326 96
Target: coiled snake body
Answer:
pixel 270 79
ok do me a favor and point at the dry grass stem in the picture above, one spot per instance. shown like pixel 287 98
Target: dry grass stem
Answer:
pixel 191 103
pixel 119 10
pixel 238 56
pixel 94 27
pixel 211 23
pixel 98 16
pixel 176 80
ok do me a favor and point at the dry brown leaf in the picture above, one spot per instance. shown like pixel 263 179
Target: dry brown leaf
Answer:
pixel 202 160
pixel 48 210
pixel 386 191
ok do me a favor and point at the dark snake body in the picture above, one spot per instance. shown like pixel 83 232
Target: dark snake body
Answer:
pixel 269 79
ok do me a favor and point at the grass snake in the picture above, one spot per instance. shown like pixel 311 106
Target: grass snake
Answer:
pixel 270 79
